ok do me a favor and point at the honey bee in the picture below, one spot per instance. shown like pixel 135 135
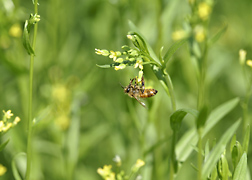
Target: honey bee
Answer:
pixel 138 92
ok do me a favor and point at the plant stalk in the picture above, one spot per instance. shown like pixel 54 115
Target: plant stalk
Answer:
pixel 199 155
pixel 170 87
pixel 29 138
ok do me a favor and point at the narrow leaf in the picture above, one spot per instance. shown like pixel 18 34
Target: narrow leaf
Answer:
pixel 105 65
pixel 236 153
pixel 160 54
pixel 14 167
pixel 151 51
pixel 207 149
pixel 222 167
pixel 218 113
pixel 26 39
pixel 190 137
pixel 217 36
pixel 173 49
pixel 233 141
pixel 2 146
pixel 177 117
pixel 218 150
pixel 241 169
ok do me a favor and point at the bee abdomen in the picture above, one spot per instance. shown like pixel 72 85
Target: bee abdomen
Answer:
pixel 148 93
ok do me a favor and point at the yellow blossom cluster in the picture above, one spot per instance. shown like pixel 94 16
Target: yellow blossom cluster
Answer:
pixel 5 123
pixel 107 174
pixel 123 59
pixel 2 170
pixel 242 58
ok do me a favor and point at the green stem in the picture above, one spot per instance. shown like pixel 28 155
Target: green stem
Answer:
pixel 171 91
pixel 29 138
pixel 199 155
pixel 245 106
pixel 173 165
pixel 203 67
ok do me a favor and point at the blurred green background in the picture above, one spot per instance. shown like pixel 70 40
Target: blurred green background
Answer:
pixel 82 117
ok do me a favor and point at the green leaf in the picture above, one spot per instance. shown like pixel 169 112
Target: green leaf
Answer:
pixel 160 54
pixel 218 150
pixel 151 51
pixel 241 169
pixel 106 65
pixel 2 146
pixel 72 143
pixel 173 49
pixel 26 39
pixel 14 167
pixel 233 141
pixel 217 36
pixel 183 150
pixel 218 113
pixel 126 62
pixel 139 42
pixel 206 152
pixel 236 153
pixel 177 117
pixel 202 117
pixel 245 143
pixel 222 168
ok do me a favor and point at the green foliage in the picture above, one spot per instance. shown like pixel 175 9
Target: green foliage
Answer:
pixel 217 150
pixel 26 33
pixel 80 116
pixel 2 146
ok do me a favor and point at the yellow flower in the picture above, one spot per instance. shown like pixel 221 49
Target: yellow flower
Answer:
pixel 121 66
pixel 117 160
pixel 204 10
pixel 199 33
pixel 1 126
pixel 62 121
pixel 15 30
pixel 7 127
pixel 111 176
pixel 138 165
pixel 114 54
pixel 178 35
pixel 2 170
pixel 119 60
pixel 7 114
pixel 60 93
pixel 16 120
pixel 249 63
pixel 103 52
pixel 129 36
pixel 140 75
pixel 106 172
pixel 242 56
pixel 139 63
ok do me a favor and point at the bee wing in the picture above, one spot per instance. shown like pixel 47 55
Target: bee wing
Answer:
pixel 139 101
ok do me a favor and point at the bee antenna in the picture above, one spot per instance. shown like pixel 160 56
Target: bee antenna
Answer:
pixel 121 85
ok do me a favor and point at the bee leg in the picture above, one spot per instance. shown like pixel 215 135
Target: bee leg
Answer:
pixel 142 87
pixel 131 80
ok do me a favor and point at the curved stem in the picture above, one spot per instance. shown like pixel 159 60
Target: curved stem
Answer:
pixel 29 138
pixel 171 91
